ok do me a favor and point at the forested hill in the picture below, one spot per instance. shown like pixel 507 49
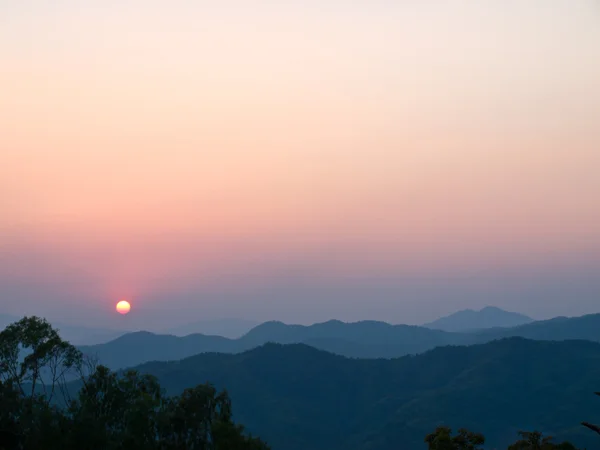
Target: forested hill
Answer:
pixel 365 339
pixel 297 397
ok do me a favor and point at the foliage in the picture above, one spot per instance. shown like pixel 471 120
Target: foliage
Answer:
pixel 112 411
pixel 442 439
pixel 592 426
pixel 534 440
pixel 33 354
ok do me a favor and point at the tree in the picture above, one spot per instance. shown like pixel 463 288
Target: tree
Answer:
pixel 34 361
pixel 202 416
pixel 591 426
pixel 442 439
pixel 113 411
pixel 534 440
pixel 32 354
pixel 131 411
pixel 9 415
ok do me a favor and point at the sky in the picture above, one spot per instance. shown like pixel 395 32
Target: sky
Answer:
pixel 298 160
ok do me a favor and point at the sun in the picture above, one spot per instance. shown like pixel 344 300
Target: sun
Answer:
pixel 123 307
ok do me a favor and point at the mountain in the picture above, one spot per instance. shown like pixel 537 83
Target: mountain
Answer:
pixel 365 339
pixel 360 340
pixel 489 317
pixel 229 328
pixel 142 346
pixel 382 339
pixel 560 328
pixel 297 397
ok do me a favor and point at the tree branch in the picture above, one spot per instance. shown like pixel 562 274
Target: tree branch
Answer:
pixel 592 427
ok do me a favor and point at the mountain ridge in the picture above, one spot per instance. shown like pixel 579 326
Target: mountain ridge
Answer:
pixel 357 340
pixel 290 394
pixel 228 327
pixel 470 320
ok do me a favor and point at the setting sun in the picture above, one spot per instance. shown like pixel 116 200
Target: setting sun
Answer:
pixel 123 307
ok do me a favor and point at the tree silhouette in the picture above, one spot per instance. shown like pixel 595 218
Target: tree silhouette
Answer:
pixel 33 354
pixel 591 426
pixel 113 411
pixel 442 439
pixel 534 440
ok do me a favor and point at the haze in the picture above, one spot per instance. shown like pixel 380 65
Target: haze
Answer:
pixel 301 161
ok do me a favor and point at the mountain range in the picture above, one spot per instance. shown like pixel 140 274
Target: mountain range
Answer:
pixel 298 397
pixel 367 339
pixel 373 386
pixel 229 328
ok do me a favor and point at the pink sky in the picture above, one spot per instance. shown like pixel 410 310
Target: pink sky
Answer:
pixel 161 151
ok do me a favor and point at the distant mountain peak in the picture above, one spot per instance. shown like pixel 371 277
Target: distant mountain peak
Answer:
pixel 488 317
pixel 492 308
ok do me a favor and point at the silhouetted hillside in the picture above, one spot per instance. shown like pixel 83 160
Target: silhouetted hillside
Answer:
pixel 142 346
pixel 380 339
pixel 229 328
pixel 360 340
pixel 560 328
pixel 297 397
pixel 489 317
